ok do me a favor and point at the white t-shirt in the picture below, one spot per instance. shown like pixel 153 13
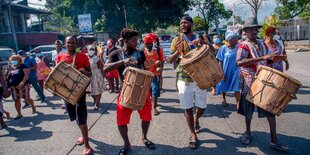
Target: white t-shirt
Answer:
pixel 55 54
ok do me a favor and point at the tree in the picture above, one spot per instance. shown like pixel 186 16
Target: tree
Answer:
pixel 199 23
pixel 270 21
pixel 144 16
pixel 255 5
pixel 212 11
pixel 291 9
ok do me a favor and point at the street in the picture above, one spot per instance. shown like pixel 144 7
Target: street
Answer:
pixel 50 132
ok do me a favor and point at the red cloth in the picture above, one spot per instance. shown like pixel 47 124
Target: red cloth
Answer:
pixel 151 58
pixel 112 74
pixel 123 114
pixel 246 48
pixel 81 59
pixel 150 38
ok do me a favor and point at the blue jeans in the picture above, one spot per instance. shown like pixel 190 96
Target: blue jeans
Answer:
pixel 34 82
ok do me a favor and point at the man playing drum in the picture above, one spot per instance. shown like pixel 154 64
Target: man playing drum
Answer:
pixel 78 112
pixel 250 54
pixel 120 59
pixel 187 89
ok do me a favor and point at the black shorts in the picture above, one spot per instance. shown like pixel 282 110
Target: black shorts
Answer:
pixel 246 108
pixel 78 112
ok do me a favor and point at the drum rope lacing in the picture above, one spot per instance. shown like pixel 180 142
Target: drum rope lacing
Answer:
pixel 266 83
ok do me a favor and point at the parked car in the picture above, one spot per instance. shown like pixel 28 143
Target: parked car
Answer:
pixel 5 54
pixel 46 50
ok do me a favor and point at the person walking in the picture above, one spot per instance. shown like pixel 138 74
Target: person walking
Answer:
pixel 227 60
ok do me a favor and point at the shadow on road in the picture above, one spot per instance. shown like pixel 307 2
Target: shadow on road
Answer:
pixel 304 90
pixel 31 122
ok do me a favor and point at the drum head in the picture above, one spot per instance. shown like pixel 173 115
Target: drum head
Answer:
pixel 194 54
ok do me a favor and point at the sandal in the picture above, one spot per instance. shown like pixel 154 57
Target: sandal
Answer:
pixel 224 104
pixel 7 115
pixel 279 146
pixel 18 117
pixel 245 138
pixel 193 143
pixel 150 145
pixel 80 141
pixel 89 152
pixel 96 108
pixel 156 112
pixel 124 151
pixel 197 127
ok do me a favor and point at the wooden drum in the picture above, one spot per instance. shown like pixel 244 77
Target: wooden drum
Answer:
pixel 137 85
pixel 272 90
pixel 202 67
pixel 67 82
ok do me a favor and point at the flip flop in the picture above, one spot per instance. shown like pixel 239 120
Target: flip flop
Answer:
pixel 156 112
pixel 124 151
pixel 193 143
pixel 224 104
pixel 80 141
pixel 89 152
pixel 150 145
pixel 18 117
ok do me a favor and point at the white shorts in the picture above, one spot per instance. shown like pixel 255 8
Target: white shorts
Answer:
pixel 190 92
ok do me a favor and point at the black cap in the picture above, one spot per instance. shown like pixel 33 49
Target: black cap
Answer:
pixel 188 18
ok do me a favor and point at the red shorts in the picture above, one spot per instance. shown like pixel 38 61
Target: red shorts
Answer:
pixel 123 114
pixel 112 74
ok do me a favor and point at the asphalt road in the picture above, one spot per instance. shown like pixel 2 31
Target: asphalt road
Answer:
pixel 50 131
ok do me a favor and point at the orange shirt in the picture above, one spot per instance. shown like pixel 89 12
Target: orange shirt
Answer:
pixel 151 58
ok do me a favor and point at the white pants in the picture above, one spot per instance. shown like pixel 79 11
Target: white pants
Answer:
pixel 190 92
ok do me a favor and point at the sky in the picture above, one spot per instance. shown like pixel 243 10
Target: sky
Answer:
pixel 244 10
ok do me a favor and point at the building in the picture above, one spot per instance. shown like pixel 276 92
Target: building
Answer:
pixel 14 30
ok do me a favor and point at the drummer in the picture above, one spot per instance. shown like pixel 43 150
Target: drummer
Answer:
pixel 119 59
pixel 250 54
pixel 187 89
pixel 78 112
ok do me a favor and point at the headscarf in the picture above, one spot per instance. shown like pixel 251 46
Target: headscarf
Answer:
pixel 150 38
pixel 188 18
pixel 230 35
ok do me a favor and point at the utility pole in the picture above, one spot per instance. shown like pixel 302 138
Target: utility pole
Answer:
pixel 124 8
pixel 12 25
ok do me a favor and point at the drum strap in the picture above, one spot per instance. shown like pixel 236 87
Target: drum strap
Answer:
pixel 74 57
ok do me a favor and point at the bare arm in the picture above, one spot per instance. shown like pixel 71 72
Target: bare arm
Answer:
pixel 173 57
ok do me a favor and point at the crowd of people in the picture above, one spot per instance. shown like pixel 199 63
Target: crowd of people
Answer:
pixel 238 56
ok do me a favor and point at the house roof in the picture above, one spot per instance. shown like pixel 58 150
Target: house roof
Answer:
pixel 27 9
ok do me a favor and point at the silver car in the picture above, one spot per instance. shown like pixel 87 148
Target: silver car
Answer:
pixel 5 54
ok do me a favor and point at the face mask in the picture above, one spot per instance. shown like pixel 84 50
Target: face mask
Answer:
pixel 91 53
pixel 39 55
pixel 244 37
pixel 14 62
pixel 276 37
pixel 217 40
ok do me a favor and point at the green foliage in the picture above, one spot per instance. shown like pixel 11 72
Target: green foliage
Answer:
pixel 199 23
pixel 109 16
pixel 290 9
pixel 212 11
pixel 270 21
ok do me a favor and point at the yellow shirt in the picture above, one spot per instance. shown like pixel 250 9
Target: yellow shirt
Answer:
pixel 179 44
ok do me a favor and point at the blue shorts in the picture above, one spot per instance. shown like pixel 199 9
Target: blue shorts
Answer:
pixel 155 87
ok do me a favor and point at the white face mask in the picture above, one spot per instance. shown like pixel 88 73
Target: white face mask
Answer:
pixel 276 37
pixel 91 53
